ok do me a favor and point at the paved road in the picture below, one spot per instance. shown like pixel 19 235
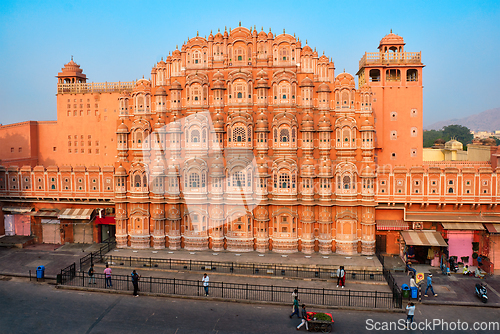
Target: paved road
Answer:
pixel 40 308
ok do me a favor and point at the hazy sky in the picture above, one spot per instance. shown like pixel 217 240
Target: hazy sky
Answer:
pixel 122 40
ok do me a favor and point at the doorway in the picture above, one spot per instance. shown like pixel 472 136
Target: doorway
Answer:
pixel 107 232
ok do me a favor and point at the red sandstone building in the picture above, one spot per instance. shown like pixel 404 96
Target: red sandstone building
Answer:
pixel 248 141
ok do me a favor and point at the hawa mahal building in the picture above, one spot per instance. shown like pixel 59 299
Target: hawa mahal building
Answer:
pixel 248 141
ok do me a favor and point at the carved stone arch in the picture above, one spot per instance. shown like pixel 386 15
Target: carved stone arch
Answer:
pixel 286 211
pixel 138 211
pixel 346 214
pixel 195 163
pixel 141 124
pixel 287 163
pixel 345 121
pixel 198 77
pixel 239 74
pixel 241 211
pixel 284 75
pixel 325 214
pixel 285 118
pixel 174 213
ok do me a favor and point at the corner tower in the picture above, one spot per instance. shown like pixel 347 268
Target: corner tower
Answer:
pixel 71 73
pixel 395 77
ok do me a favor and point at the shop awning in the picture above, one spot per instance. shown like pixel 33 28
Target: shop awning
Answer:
pixel 75 214
pixel 45 214
pixel 493 228
pixel 450 217
pixel 423 238
pixel 105 220
pixel 16 209
pixel 463 226
pixel 391 225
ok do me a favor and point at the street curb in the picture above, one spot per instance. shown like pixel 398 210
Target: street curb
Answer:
pixel 150 294
pixel 333 281
pixel 49 278
pixel 469 304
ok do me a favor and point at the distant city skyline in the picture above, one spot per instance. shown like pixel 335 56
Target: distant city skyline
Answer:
pixel 121 41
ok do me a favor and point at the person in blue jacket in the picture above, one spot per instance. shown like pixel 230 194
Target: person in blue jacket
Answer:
pixel 429 286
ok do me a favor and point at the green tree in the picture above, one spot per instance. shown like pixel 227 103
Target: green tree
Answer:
pixel 497 140
pixel 458 132
pixel 430 137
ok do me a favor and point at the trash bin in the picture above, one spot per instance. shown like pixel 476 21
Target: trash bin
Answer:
pixel 40 272
pixel 414 292
pixel 405 291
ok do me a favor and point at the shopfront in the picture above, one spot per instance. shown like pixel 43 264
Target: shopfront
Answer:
pixel 494 246
pixel 422 247
pixel 387 237
pixel 460 237
pixel 80 219
pixel 106 228
pixel 17 220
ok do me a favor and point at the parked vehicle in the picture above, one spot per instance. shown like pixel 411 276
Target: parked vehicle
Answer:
pixel 453 264
pixel 481 292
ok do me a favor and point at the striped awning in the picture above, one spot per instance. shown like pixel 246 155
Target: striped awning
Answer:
pixel 45 214
pixel 391 225
pixel 493 228
pixel 423 238
pixel 75 214
pixel 463 226
pixel 17 209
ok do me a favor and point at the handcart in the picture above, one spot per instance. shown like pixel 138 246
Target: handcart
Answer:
pixel 320 322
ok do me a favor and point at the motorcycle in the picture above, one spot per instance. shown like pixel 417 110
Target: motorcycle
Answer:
pixel 453 265
pixel 481 292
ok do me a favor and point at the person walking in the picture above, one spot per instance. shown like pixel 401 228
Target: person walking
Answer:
pixel 342 277
pixel 304 318
pixel 205 280
pixel 135 283
pixel 295 294
pixel 91 274
pixel 107 276
pixel 295 308
pixel 429 286
pixel 411 312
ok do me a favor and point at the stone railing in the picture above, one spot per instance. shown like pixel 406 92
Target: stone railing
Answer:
pixel 390 57
pixel 95 87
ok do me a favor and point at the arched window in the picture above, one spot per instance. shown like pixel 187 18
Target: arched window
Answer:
pixel 284 135
pixel 284 54
pixel 450 191
pixel 374 75
pixel 195 136
pixel 412 75
pixel 196 57
pixel 194 180
pixel 284 181
pixel 238 179
pixel 347 182
pixel 239 134
pixel 240 95
pixel 144 181
pixel 137 181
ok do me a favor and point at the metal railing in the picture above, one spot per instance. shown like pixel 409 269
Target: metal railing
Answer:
pixel 236 291
pixel 97 256
pixel 257 269
pixel 396 290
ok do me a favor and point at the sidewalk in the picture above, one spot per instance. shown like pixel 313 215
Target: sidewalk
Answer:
pixel 455 289
pixel 350 262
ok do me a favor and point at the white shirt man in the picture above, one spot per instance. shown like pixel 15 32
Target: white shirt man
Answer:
pixel 205 280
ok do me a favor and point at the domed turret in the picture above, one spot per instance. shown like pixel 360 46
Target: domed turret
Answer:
pixel 307 123
pixel 161 92
pixel 324 123
pixel 391 42
pixel 262 122
pixel 71 73
pixel 122 128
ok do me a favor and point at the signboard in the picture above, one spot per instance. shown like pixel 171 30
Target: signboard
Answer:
pixel 419 278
